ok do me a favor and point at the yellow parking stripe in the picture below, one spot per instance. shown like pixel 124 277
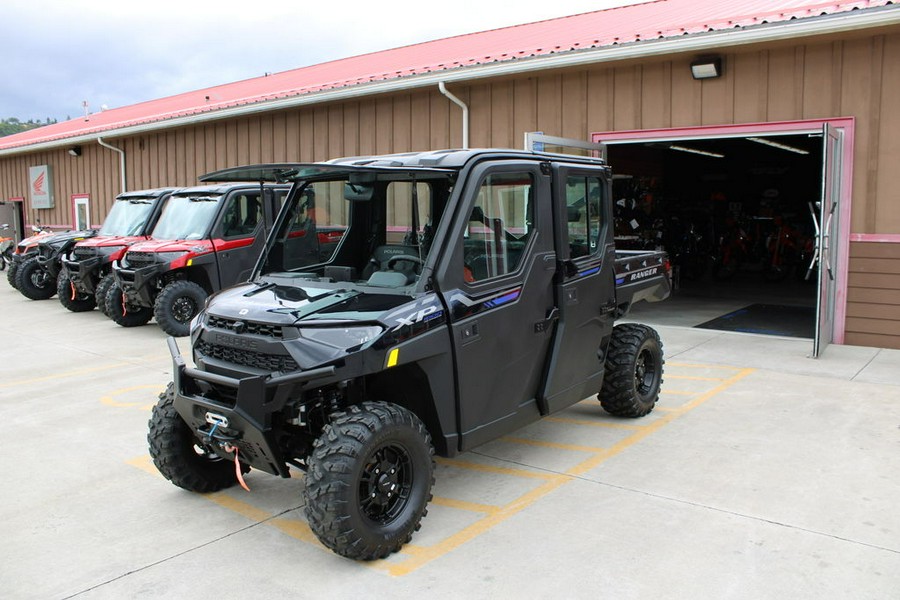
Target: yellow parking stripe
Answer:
pixel 543 444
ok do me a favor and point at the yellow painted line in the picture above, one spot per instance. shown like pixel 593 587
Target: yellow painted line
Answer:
pixel 64 375
pixel 697 366
pixel 110 399
pixel 594 461
pixel 422 555
pixel 694 378
pixel 464 505
pixel 492 469
pixel 677 393
pixel 720 388
pixel 589 423
pixel 543 444
pixel 145 463
pixel 242 508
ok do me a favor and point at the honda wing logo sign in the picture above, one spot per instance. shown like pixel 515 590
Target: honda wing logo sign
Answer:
pixel 40 186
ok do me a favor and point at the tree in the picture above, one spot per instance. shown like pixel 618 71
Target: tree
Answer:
pixel 13 125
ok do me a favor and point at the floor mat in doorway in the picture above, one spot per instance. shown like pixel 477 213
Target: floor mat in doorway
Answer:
pixel 768 319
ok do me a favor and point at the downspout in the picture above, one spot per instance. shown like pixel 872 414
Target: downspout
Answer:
pixel 121 160
pixel 465 115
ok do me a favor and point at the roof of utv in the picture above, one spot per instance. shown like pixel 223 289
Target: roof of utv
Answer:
pixel 436 161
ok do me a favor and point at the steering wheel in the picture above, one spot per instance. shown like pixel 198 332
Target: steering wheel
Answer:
pixel 405 257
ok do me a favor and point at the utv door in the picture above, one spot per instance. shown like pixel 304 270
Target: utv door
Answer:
pixel 240 235
pixel 497 282
pixel 585 291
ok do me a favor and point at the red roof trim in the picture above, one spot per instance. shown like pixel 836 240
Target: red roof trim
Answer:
pixel 657 19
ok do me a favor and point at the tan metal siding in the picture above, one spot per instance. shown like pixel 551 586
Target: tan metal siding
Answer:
pixel 873 295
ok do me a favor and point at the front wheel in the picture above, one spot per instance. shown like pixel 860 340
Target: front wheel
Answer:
pixel 34 281
pixel 369 480
pixel 121 313
pixel 634 371
pixel 11 275
pixel 101 291
pixel 176 305
pixel 180 456
pixel 72 299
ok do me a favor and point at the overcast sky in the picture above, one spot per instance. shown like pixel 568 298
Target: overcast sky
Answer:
pixel 58 53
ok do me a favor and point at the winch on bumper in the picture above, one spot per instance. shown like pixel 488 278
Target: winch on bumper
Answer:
pixel 136 282
pixel 80 271
pixel 245 423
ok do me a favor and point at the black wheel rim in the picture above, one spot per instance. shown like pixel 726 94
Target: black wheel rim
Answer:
pixel 386 483
pixel 183 309
pixel 39 279
pixel 645 368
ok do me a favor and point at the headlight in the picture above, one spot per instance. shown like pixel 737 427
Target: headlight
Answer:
pixel 170 256
pixel 341 337
pixel 107 250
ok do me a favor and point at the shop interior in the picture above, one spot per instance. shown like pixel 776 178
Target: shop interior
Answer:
pixel 736 217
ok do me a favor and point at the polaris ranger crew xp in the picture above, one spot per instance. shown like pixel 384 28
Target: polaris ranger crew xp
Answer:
pixel 206 238
pixel 473 292
pixel 87 267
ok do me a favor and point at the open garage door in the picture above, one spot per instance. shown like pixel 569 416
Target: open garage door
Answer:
pixel 751 217
pixel 828 226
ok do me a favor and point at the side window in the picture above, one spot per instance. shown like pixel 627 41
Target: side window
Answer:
pixel 584 199
pixel 500 224
pixel 242 216
pixel 318 225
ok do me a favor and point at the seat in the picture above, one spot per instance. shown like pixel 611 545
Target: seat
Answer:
pixel 381 261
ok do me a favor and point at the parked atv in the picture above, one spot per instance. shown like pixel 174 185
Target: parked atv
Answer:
pixel 37 276
pixel 206 238
pixel 472 292
pixel 24 250
pixel 87 267
pixel 6 247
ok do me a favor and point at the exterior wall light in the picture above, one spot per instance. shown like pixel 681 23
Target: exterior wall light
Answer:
pixel 706 67
pixel 75 151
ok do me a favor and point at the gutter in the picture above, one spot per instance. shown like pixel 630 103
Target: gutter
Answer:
pixel 465 115
pixel 121 161
pixel 698 42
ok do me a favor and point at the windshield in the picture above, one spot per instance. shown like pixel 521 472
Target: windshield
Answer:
pixel 373 229
pixel 127 217
pixel 186 217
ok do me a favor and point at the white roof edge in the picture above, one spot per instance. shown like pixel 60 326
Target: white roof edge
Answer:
pixel 697 42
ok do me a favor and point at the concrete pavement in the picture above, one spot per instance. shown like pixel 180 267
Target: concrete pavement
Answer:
pixel 762 474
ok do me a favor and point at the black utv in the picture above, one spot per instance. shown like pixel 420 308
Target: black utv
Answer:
pixel 472 292
pixel 37 275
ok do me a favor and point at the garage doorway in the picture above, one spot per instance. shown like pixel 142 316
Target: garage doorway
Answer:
pixel 751 216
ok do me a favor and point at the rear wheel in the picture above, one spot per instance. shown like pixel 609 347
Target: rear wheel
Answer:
pixel 180 456
pixel 369 480
pixel 634 371
pixel 124 315
pixel 34 281
pixel 76 302
pixel 176 305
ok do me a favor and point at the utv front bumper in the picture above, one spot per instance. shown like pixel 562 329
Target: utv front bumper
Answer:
pixel 136 283
pixel 83 273
pixel 226 411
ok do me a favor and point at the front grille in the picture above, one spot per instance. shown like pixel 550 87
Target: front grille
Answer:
pixel 239 326
pixel 84 253
pixel 140 259
pixel 248 358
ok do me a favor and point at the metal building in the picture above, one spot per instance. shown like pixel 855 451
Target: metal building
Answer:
pixel 766 117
